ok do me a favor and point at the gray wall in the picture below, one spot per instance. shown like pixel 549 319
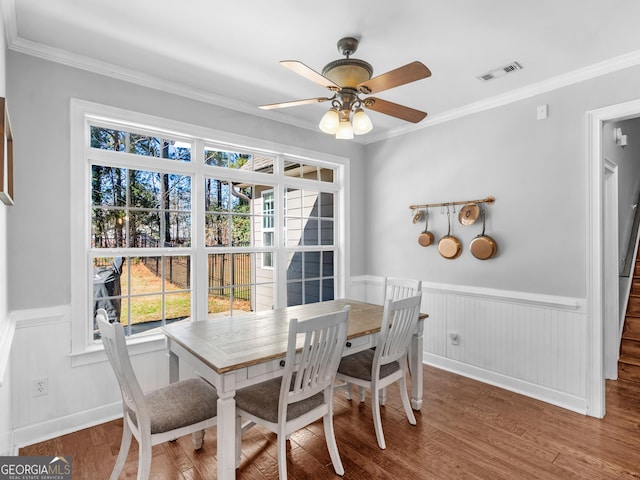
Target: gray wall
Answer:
pixel 536 170
pixel 39 223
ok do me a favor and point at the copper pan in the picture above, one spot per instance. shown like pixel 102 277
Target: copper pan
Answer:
pixel 468 214
pixel 426 238
pixel 449 246
pixel 483 247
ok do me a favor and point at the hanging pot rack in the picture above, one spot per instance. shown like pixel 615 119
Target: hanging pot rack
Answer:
pixel 489 199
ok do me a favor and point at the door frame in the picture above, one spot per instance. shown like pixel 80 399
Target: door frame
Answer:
pixel 595 249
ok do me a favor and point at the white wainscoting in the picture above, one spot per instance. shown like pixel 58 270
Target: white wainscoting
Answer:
pixel 531 344
pixel 7 331
pixel 79 396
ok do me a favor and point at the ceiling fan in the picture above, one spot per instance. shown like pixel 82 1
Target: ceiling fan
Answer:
pixel 348 78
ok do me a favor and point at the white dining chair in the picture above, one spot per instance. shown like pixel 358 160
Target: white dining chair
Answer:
pixel 304 393
pixel 375 369
pixel 187 406
pixel 394 288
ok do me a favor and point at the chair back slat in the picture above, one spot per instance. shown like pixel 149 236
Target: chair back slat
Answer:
pixel 115 346
pixel 399 322
pixel 397 288
pixel 314 350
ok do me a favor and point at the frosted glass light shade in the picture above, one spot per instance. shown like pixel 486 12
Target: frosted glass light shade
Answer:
pixel 345 130
pixel 329 122
pixel 361 122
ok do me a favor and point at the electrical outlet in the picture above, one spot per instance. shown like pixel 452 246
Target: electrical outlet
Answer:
pixel 40 386
pixel 542 111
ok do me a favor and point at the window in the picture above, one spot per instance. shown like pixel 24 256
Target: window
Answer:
pixel 173 226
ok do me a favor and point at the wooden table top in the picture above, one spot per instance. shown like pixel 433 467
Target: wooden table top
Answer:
pixel 231 343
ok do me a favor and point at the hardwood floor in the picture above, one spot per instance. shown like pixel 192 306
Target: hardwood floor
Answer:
pixel 466 430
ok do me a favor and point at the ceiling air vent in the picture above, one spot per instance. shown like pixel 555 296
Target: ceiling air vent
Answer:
pixel 498 72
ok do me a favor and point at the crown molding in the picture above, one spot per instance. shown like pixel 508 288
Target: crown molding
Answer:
pixel 592 71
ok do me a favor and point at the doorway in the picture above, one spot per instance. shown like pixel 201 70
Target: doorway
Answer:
pixel 599 285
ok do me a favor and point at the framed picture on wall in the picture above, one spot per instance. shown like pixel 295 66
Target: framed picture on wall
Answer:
pixel 6 157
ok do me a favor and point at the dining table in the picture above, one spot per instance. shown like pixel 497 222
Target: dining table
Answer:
pixel 232 352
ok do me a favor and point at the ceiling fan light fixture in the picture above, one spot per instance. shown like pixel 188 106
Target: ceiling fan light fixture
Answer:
pixel 348 72
pixel 329 121
pixel 345 130
pixel 361 122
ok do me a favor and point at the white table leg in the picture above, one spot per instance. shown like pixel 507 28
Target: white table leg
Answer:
pixel 174 367
pixel 226 436
pixel 416 368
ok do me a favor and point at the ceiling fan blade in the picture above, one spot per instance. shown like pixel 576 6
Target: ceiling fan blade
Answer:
pixel 309 73
pixel 294 103
pixel 409 73
pixel 395 110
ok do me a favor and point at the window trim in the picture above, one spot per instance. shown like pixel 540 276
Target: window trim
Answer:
pixel 82 112
pixel 271 229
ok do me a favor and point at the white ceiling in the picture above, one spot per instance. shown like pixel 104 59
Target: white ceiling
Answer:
pixel 227 51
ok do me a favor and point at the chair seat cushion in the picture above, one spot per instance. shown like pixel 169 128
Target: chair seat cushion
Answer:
pixel 262 401
pixel 359 365
pixel 180 404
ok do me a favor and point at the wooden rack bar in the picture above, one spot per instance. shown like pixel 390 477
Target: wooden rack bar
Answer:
pixel 489 199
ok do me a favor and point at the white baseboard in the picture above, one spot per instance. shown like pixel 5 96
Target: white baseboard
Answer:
pixel 554 397
pixel 29 435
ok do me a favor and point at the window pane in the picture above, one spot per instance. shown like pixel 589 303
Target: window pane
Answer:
pixel 146 276
pixel 295 266
pixel 327 290
pixel 327 264
pixel 326 175
pixel 144 189
pixel 311 264
pixel 177 306
pixel 108 186
pixel 107 287
pixel 107 139
pixel 292 169
pixel 142 313
pixel 235 284
pixel 326 205
pixel 263 164
pixel 217 230
pixel 241 230
pixel 108 228
pixel 216 195
pixel 311 234
pixel 294 294
pixel 178 230
pixel 326 232
pixel 238 160
pixel 144 228
pixel 177 273
pixel 148 146
pixel 294 231
pixel 312 291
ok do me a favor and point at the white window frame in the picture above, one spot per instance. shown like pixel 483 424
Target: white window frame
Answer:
pixel 82 112
pixel 268 229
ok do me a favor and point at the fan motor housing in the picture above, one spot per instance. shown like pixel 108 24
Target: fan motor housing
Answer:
pixel 348 72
